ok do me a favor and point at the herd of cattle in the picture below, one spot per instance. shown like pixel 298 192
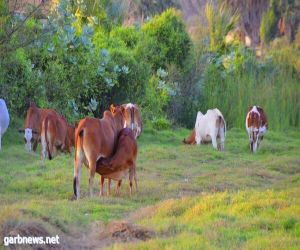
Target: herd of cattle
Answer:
pixel 108 145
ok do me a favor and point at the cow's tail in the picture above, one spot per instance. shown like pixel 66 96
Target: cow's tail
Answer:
pixel 47 139
pixel 221 125
pixel 77 165
pixel 221 131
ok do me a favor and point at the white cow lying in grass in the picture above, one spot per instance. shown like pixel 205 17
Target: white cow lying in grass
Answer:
pixel 209 127
pixel 4 119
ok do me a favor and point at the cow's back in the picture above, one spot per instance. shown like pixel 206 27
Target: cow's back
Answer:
pixel 35 117
pixel 205 123
pixel 4 117
pixel 61 127
pixel 98 136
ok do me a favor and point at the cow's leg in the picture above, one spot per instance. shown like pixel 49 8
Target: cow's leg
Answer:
pixel 255 145
pixel 92 167
pixel 134 176
pixel 77 174
pixel 254 137
pixel 222 138
pixel 101 185
pixel 130 181
pixel 118 187
pixel 44 149
pixel 214 141
pixel 79 158
pixel 35 143
pixel 108 186
pixel 198 138
pixel 250 139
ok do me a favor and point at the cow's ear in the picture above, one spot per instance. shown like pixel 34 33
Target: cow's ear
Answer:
pixel 32 104
pixel 112 108
pixel 21 130
pixel 76 124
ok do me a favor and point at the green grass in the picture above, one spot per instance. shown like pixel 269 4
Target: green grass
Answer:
pixel 197 197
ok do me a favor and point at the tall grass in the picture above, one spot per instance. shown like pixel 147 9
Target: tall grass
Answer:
pixel 276 88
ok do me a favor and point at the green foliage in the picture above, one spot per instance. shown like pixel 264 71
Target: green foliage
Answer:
pixel 165 40
pixel 84 60
pixel 129 35
pixel 161 123
pixel 16 30
pixel 18 81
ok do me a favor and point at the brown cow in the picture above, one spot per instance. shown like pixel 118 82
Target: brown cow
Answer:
pixel 117 166
pixel 56 134
pixel 33 125
pixel 95 138
pixel 133 118
pixel 256 126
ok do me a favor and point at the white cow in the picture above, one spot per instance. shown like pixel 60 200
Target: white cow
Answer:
pixel 4 119
pixel 209 127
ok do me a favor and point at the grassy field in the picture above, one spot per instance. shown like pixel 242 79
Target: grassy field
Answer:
pixel 190 197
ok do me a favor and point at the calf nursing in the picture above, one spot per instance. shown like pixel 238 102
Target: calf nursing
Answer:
pixel 95 138
pixel 121 163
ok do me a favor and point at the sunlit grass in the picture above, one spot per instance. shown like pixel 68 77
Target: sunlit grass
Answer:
pixel 226 198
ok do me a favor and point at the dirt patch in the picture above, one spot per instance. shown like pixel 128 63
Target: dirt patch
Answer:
pixel 123 231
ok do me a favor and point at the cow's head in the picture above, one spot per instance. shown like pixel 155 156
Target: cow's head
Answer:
pixel 129 115
pixel 118 115
pixel 29 136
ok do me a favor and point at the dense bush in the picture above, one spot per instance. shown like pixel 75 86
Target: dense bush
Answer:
pixel 165 40
pixel 84 59
pixel 161 123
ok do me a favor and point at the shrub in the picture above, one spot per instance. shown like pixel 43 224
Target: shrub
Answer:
pixel 161 123
pixel 165 40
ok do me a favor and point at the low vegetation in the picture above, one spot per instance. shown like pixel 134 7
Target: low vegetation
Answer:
pixel 86 55
pixel 190 196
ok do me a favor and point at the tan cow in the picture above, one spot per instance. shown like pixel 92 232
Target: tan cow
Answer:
pixel 121 163
pixel 133 118
pixel 56 134
pixel 33 125
pixel 256 126
pixel 95 138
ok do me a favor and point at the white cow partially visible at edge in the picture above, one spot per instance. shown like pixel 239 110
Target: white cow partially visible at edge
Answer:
pixel 209 127
pixel 4 119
